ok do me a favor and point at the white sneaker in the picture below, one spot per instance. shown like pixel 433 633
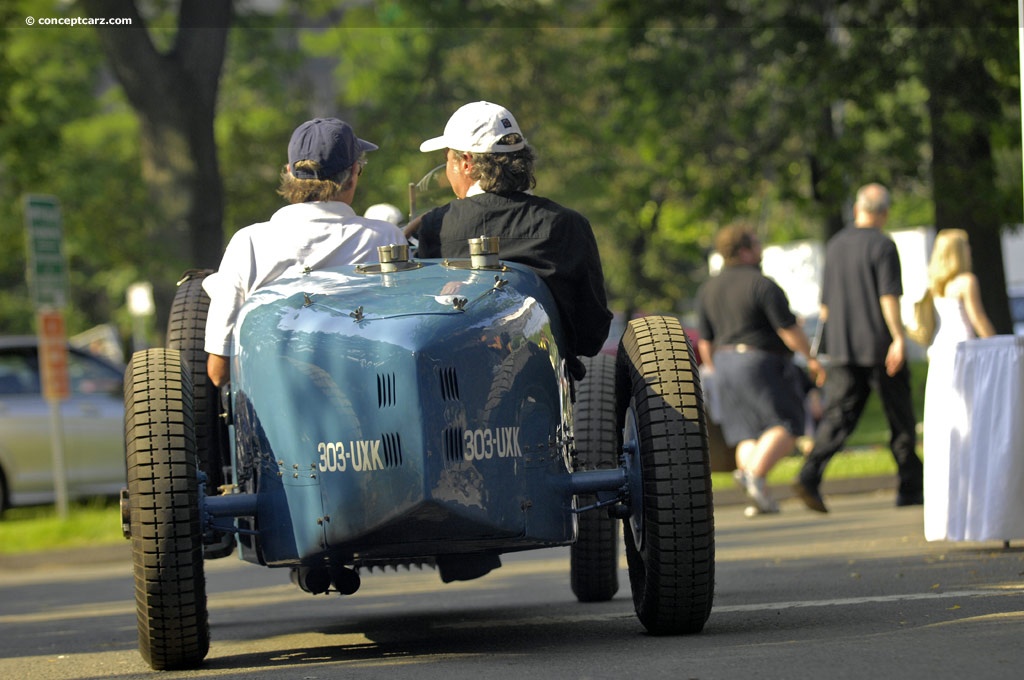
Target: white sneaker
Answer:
pixel 758 492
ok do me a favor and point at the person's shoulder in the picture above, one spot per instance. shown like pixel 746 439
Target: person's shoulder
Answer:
pixel 840 238
pixel 253 231
pixel 961 284
pixel 860 237
pixel 556 210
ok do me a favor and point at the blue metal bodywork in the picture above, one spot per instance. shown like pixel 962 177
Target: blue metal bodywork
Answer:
pixel 401 415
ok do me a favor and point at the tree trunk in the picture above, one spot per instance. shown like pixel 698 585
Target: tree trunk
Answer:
pixel 827 188
pixel 963 172
pixel 174 94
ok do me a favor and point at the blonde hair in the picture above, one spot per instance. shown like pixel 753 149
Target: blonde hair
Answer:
pixel 951 256
pixel 296 190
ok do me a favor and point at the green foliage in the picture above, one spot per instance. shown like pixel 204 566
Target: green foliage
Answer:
pixel 660 121
pixel 261 102
pixel 57 136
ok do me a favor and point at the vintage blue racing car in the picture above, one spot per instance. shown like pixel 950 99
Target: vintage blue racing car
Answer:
pixel 412 412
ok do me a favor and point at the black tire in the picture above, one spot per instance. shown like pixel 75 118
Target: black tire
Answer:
pixel 594 557
pixel 163 496
pixel 186 332
pixel 670 537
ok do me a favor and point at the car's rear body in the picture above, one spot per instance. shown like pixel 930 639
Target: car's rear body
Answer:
pixel 384 417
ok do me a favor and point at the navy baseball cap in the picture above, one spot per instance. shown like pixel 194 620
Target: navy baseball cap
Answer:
pixel 328 141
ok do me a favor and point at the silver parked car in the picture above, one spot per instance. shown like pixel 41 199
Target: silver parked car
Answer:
pixel 92 421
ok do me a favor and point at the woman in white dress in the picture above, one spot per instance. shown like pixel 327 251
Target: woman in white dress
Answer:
pixel 959 316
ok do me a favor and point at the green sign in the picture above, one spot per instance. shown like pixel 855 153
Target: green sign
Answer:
pixel 47 266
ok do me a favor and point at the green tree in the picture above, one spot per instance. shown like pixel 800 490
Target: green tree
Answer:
pixel 826 96
pixel 660 121
pixel 66 130
pixel 174 93
pixel 969 70
pixel 57 137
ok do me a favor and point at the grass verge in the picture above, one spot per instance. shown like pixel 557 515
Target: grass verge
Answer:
pixel 37 528
pixel 852 464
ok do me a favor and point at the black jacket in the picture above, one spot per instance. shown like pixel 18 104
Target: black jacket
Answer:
pixel 554 241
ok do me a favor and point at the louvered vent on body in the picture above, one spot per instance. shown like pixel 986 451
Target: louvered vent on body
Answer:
pixel 385 390
pixel 449 384
pixel 452 443
pixel 391 448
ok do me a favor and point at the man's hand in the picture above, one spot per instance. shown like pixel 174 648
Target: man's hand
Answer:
pixel 895 357
pixel 816 371
pixel 218 368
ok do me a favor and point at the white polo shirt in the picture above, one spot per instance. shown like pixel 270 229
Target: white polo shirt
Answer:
pixel 315 235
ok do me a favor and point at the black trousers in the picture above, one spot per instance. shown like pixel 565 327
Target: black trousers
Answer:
pixel 846 393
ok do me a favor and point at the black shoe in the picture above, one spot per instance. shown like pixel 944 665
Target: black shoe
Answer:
pixel 903 500
pixel 811 498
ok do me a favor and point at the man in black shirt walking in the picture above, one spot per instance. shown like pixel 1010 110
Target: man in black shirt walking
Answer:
pixel 865 341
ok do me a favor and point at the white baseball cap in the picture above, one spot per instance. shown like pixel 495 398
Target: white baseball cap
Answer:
pixel 477 128
pixel 385 212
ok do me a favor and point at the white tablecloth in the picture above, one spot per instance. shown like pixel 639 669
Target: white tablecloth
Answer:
pixel 974 443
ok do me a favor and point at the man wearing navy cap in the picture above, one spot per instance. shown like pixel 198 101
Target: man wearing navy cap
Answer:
pixel 490 168
pixel 318 229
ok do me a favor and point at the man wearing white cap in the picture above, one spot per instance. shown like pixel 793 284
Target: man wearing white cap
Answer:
pixel 318 229
pixel 490 168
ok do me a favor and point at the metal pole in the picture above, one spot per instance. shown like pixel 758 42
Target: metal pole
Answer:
pixel 60 473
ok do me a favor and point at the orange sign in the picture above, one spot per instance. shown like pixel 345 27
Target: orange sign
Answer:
pixel 53 355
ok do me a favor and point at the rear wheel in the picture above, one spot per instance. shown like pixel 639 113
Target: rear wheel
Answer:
pixel 670 540
pixel 164 512
pixel 594 557
pixel 186 332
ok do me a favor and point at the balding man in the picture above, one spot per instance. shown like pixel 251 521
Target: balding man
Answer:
pixel 865 341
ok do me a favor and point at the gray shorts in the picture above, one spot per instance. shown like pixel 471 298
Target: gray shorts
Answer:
pixel 758 390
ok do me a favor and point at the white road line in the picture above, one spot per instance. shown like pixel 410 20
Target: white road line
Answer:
pixel 727 609
pixel 848 601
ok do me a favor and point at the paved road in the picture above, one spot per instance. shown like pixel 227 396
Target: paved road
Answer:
pixel 857 593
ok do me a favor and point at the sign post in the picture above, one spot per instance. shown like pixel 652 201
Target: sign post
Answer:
pixel 53 372
pixel 48 280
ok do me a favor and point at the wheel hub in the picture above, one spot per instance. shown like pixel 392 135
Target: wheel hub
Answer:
pixel 634 477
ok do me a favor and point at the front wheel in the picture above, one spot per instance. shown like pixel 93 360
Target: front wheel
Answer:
pixel 164 512
pixel 670 535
